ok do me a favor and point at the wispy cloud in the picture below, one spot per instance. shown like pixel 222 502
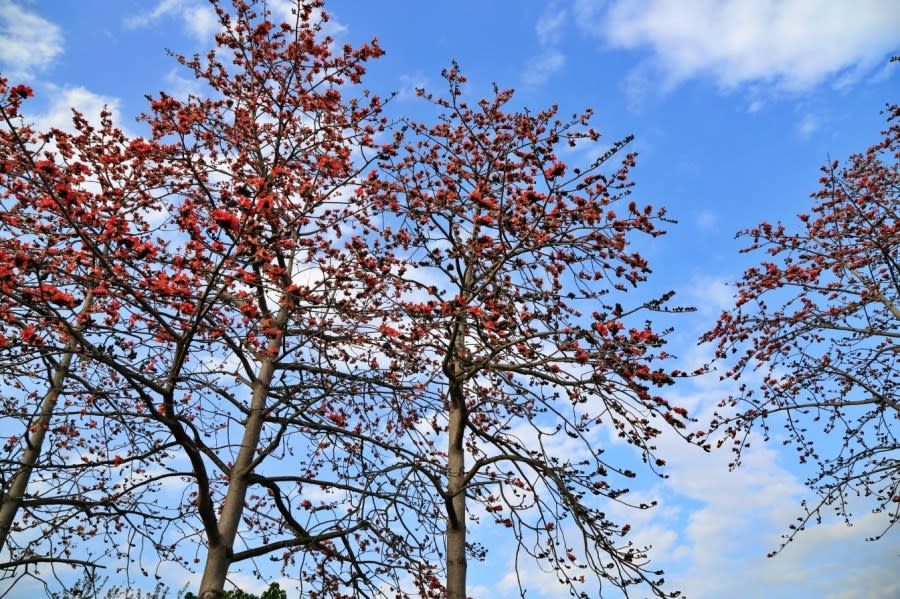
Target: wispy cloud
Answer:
pixel 793 45
pixel 201 21
pixel 807 126
pixel 409 84
pixel 714 527
pixel 198 19
pixel 638 86
pixel 286 10
pixel 542 67
pixel 710 295
pixel 182 87
pixel 61 101
pixel 549 25
pixel 706 219
pixel 28 42
pixel 548 29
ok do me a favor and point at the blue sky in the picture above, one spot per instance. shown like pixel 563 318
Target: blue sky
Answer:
pixel 734 106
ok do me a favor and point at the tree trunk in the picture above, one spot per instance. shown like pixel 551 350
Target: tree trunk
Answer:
pixel 220 554
pixel 12 500
pixel 456 502
pixel 456 461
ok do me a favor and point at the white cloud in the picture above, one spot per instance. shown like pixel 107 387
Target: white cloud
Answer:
pixel 28 42
pixel 285 10
pixel 62 100
pixel 201 21
pixel 710 295
pixel 638 85
pixel 706 219
pixel 792 44
pixel 542 67
pixel 549 32
pixel 807 126
pixel 549 25
pixel 182 87
pixel 587 11
pixel 409 84
pixel 163 8
pixel 713 528
pixel 728 538
pixel 882 74
pixel 198 19
pixel 725 522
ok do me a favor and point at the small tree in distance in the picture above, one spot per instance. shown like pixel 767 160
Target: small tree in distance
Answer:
pixel 814 337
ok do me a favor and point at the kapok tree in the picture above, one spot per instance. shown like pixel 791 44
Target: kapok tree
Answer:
pixel 274 398
pixel 235 340
pixel 813 337
pixel 517 328
pixel 67 199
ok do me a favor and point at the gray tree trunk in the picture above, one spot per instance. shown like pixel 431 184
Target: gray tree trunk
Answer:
pixel 12 500
pixel 456 462
pixel 456 504
pixel 219 556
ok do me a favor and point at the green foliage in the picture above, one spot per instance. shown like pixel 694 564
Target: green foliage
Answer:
pixel 273 592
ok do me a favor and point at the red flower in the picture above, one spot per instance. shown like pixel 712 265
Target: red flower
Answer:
pixel 23 91
pixel 28 334
pixel 389 331
pixel 225 219
pixel 556 170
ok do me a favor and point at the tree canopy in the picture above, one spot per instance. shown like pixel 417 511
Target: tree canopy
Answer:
pixel 813 336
